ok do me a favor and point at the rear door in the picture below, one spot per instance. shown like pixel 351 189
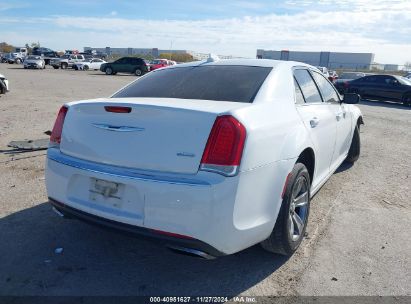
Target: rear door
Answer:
pixel 120 65
pixel 134 64
pixel 369 87
pixel 319 120
pixel 342 118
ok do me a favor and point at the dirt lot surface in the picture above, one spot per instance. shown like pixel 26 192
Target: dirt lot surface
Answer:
pixel 358 240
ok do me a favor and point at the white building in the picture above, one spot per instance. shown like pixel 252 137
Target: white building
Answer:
pixel 331 60
pixel 155 52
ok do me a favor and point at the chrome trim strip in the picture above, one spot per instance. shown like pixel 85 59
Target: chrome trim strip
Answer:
pixel 117 128
pixel 55 155
pixel 223 170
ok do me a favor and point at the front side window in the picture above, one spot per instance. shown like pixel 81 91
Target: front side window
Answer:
pixel 307 85
pixel 327 91
pixel 386 79
pixel 213 82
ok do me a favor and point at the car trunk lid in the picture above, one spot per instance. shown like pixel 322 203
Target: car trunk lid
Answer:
pixel 167 135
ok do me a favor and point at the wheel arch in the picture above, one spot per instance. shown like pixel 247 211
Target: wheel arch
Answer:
pixel 405 94
pixel 360 121
pixel 307 158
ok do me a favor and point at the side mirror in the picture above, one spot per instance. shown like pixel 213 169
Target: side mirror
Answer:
pixel 351 98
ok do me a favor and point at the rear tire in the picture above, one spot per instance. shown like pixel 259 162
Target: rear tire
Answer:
pixel 64 65
pixel 355 148
pixel 85 68
pixel 292 219
pixel 138 72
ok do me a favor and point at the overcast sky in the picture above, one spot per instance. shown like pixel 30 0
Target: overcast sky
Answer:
pixel 226 27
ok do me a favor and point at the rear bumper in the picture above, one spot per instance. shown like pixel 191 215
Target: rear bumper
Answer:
pixel 224 215
pixel 170 241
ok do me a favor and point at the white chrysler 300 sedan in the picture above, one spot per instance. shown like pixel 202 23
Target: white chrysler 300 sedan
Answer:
pixel 211 157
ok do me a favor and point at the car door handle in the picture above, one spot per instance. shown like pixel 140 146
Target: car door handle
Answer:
pixel 314 122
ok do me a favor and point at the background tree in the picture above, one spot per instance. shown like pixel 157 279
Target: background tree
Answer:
pixel 179 57
pixel 35 44
pixel 6 48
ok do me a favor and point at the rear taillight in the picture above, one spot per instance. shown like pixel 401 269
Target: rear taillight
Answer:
pixel 224 146
pixel 55 137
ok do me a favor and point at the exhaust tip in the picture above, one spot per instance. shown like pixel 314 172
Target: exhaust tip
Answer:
pixel 57 212
pixel 191 252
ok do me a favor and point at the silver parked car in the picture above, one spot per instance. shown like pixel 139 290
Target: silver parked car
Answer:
pixel 34 62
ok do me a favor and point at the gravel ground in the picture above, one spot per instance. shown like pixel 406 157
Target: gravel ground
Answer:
pixel 358 237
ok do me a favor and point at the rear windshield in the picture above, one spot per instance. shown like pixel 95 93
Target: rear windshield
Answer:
pixel 217 82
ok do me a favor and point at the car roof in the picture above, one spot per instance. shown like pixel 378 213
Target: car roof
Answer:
pixel 244 62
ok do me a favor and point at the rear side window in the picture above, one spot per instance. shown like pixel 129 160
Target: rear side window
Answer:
pixel 216 82
pixel 299 98
pixel 327 90
pixel 307 85
pixel 367 79
pixel 135 61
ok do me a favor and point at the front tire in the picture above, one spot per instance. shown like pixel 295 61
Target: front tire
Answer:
pixel 406 99
pixel 292 219
pixel 355 148
pixel 64 65
pixel 356 91
pixel 85 68
pixel 109 71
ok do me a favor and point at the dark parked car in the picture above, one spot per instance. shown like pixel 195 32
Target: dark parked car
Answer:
pixel 42 51
pixel 130 65
pixel 382 87
pixel 6 57
pixel 341 83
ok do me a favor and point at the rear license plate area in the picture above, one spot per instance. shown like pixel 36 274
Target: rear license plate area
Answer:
pixel 106 192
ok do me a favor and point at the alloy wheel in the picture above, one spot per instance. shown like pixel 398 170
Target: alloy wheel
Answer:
pixel 298 208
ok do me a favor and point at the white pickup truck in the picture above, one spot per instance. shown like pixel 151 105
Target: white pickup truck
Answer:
pixel 66 61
